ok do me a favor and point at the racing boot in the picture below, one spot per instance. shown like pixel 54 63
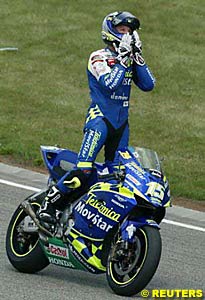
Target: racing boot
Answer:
pixel 74 181
pixel 47 211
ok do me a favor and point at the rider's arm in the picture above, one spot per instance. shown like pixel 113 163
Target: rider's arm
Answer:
pixel 109 78
pixel 114 78
pixel 143 77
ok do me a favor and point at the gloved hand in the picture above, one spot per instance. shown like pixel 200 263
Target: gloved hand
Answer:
pixel 137 49
pixel 124 50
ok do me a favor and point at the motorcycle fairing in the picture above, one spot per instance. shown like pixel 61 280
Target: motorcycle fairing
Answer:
pixel 148 184
pixel 104 206
pixel 129 227
pixel 88 250
pixel 94 219
pixel 75 254
pixel 56 159
pixel 59 161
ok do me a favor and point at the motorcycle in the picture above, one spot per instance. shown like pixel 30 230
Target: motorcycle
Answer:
pixel 111 228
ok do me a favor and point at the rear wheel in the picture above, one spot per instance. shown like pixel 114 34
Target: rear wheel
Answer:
pixel 131 266
pixel 23 248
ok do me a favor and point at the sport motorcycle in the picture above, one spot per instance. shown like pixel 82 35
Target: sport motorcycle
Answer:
pixel 112 227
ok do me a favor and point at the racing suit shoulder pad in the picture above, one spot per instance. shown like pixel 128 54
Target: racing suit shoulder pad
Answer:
pixel 97 63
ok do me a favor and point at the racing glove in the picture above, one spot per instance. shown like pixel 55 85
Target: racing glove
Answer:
pixel 124 50
pixel 137 49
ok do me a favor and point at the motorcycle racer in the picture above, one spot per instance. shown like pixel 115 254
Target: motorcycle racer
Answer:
pixel 110 72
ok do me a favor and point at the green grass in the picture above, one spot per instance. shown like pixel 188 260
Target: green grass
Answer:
pixel 44 94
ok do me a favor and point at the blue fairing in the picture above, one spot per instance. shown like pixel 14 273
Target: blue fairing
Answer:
pixel 129 227
pixel 65 159
pixel 55 157
pixel 96 213
pixel 146 183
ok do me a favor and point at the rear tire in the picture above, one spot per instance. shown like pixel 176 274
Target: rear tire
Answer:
pixel 23 249
pixel 141 266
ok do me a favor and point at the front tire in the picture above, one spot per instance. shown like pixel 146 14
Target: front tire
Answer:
pixel 23 249
pixel 127 275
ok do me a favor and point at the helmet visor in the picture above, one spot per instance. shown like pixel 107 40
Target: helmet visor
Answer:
pixel 125 18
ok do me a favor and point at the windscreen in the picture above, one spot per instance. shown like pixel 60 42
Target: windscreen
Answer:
pixel 147 158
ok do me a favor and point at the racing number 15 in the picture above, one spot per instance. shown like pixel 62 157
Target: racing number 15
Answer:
pixel 155 191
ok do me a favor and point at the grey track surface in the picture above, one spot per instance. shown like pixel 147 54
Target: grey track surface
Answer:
pixel 182 263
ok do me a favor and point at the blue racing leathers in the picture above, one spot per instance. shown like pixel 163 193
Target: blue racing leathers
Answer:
pixel 110 85
pixel 107 118
pixel 106 122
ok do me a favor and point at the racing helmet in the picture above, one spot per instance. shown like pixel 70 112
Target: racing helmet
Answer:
pixel 109 33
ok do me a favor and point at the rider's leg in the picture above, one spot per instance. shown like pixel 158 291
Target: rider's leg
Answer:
pixel 117 139
pixel 81 177
pixel 56 199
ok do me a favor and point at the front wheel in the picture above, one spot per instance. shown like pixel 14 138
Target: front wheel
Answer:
pixel 23 248
pixel 130 268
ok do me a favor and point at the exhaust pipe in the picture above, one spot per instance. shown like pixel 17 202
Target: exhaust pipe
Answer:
pixel 27 207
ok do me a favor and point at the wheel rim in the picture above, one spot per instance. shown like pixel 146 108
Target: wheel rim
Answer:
pixel 22 245
pixel 125 270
